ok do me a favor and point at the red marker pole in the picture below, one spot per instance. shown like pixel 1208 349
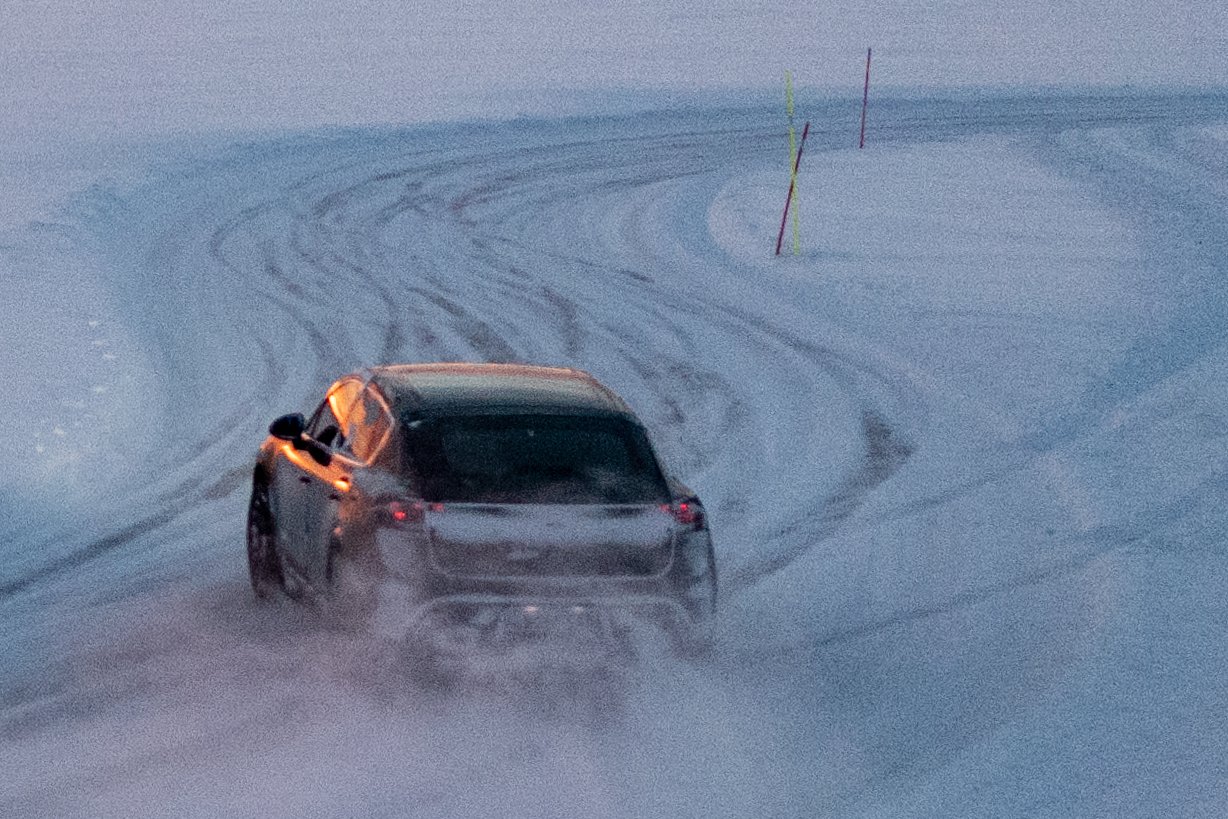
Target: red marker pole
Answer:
pixel 784 217
pixel 865 100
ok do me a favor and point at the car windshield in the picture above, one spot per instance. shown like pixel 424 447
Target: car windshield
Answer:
pixel 533 459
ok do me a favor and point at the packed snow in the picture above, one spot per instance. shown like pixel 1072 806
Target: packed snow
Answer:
pixel 965 456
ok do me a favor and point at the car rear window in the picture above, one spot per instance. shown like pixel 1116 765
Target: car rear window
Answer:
pixel 533 459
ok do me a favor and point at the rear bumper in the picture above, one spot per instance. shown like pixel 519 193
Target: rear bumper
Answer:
pixel 418 601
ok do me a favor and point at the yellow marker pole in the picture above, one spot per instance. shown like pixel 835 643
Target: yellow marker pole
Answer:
pixel 797 225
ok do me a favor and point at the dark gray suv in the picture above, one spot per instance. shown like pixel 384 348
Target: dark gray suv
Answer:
pixel 478 509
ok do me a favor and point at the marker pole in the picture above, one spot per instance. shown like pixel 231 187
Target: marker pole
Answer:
pixel 865 100
pixel 797 219
pixel 784 217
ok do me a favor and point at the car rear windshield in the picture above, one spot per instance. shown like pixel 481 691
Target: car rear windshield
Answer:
pixel 533 459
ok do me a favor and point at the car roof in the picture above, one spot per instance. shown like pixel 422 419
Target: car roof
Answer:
pixel 473 389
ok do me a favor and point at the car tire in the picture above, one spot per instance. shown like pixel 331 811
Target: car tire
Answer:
pixel 262 560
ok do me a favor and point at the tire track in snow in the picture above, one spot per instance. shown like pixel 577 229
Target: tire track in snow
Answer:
pixel 380 247
pixel 314 257
pixel 494 287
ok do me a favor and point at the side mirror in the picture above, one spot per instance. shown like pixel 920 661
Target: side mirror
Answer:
pixel 288 427
pixel 291 428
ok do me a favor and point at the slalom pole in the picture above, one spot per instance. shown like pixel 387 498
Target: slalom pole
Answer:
pixel 865 100
pixel 797 220
pixel 784 217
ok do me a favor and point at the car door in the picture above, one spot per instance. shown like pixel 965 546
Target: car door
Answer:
pixel 365 429
pixel 292 475
pixel 313 488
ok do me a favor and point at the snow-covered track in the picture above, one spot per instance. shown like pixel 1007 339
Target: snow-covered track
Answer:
pixel 900 435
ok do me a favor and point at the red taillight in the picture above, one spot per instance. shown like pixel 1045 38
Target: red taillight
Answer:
pixel 685 513
pixel 410 511
pixel 400 512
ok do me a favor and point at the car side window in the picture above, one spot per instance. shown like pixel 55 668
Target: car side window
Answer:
pixel 329 423
pixel 370 422
pixel 323 425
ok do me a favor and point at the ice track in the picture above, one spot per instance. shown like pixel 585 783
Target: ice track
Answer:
pixel 895 515
pixel 558 254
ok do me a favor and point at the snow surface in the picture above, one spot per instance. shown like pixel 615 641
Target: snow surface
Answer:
pixel 965 457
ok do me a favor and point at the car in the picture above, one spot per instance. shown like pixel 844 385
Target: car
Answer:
pixel 476 509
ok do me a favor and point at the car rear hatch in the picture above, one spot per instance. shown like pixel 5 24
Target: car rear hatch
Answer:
pixel 513 541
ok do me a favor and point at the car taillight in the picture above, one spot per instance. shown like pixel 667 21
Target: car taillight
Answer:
pixel 686 513
pixel 410 511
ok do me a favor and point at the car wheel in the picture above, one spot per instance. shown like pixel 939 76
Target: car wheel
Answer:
pixel 262 560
